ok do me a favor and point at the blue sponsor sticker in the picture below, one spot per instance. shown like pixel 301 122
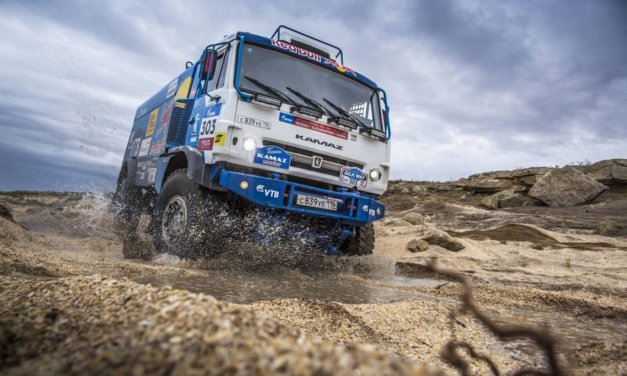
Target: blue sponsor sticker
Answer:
pixel 286 118
pixel 213 110
pixel 353 176
pixel 273 156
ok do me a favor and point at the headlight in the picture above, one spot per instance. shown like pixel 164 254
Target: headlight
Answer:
pixel 375 174
pixel 250 144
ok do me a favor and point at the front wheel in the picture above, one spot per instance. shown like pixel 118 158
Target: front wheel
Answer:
pixel 187 218
pixel 359 244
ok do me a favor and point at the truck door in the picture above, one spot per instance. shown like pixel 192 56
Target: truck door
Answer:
pixel 208 110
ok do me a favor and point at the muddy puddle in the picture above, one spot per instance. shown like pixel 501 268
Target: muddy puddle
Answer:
pixel 571 332
pixel 328 280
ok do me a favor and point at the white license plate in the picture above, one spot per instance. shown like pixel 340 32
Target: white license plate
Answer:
pixel 316 202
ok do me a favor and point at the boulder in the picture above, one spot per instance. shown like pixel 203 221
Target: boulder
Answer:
pixel 443 239
pixel 609 171
pixel 501 199
pixel 566 187
pixel 414 218
pixel 417 245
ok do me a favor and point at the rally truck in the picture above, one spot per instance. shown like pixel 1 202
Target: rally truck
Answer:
pixel 260 139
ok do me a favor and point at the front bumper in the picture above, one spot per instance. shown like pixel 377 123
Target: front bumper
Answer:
pixel 353 208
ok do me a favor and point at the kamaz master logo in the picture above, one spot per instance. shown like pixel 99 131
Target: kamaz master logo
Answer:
pixel 316 141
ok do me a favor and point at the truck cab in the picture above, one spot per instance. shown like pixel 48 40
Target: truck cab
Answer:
pixel 279 125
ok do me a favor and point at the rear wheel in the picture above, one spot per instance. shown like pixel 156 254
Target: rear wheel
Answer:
pixel 129 205
pixel 188 221
pixel 361 243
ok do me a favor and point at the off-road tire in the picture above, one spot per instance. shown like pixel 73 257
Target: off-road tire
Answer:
pixel 361 244
pixel 129 205
pixel 188 221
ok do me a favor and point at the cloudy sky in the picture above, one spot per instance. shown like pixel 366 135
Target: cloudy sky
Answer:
pixel 473 85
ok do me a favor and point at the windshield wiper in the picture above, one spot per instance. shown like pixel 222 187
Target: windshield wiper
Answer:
pixel 272 91
pixel 347 115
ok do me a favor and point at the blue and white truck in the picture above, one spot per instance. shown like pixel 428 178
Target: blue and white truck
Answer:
pixel 259 132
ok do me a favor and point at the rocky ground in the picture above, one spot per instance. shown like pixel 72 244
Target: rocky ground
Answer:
pixel 69 302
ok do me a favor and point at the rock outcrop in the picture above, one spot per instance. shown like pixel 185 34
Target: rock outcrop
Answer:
pixel 497 181
pixel 609 171
pixel 566 187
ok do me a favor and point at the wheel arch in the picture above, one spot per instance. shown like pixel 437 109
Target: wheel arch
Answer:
pixel 182 157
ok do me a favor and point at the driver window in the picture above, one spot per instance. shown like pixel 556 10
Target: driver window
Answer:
pixel 218 77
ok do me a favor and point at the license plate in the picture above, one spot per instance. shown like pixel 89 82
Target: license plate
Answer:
pixel 316 202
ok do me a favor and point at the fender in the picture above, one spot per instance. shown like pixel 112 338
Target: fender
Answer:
pixel 197 170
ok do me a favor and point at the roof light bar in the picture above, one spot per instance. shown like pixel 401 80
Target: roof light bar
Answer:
pixel 308 111
pixel 267 100
pixel 345 123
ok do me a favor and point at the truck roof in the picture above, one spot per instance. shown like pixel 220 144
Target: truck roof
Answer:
pixel 306 55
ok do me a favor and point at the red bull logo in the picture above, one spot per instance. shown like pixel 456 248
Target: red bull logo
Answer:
pixel 313 56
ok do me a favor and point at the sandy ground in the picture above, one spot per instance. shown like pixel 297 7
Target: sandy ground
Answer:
pixel 71 304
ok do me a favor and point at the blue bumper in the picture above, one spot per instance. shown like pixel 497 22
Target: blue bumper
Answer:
pixel 352 207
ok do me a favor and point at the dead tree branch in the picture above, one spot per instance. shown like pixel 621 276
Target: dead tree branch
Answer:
pixel 542 338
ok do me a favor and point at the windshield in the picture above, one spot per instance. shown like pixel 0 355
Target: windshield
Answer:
pixel 289 75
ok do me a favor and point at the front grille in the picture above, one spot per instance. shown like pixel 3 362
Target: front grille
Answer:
pixel 303 158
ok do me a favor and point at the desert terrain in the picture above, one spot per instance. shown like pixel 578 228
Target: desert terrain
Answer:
pixel 71 304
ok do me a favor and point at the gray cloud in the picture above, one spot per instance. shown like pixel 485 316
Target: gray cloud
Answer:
pixel 473 85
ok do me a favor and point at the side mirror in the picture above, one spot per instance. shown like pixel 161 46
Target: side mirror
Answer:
pixel 210 58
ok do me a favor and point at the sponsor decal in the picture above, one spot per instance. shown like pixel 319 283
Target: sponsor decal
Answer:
pixel 213 110
pixel 314 126
pixel 286 118
pixel 220 139
pixel 319 142
pixel 159 138
pixel 208 126
pixel 205 143
pixel 144 147
pixel 196 124
pixel 152 172
pixel 172 88
pixel 372 213
pixel 273 156
pixel 365 208
pixel 243 119
pixel 134 146
pixel 353 137
pixel 339 67
pixel 267 192
pixel 297 50
pixel 313 56
pixel 152 120
pixel 353 176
